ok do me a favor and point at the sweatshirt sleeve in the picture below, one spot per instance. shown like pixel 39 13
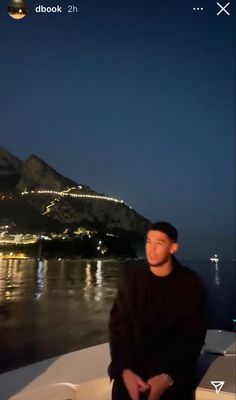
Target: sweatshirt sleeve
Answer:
pixel 120 334
pixel 179 358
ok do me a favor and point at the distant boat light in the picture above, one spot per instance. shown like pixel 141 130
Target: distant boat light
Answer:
pixel 215 258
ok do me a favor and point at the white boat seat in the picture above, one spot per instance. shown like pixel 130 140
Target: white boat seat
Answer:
pixel 96 389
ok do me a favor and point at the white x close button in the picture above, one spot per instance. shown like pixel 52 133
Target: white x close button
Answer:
pixel 223 9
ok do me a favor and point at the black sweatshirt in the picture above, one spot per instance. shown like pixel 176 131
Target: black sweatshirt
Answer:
pixel 157 324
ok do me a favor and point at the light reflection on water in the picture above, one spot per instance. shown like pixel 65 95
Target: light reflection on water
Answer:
pixel 50 307
pixel 217 275
pixel 93 291
pixel 40 281
pixel 88 280
pixel 23 278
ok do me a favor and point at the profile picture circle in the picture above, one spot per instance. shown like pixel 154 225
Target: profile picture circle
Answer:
pixel 17 9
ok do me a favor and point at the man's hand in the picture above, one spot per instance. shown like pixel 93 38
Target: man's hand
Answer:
pixel 158 385
pixel 134 384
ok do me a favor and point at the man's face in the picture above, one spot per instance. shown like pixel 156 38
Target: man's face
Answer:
pixel 159 248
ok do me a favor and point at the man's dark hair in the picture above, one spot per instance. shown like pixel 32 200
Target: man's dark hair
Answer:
pixel 165 227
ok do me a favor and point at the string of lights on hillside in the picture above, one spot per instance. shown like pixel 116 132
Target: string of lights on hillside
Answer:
pixel 50 205
pixel 67 193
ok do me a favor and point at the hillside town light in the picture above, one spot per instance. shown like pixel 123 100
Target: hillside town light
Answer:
pixel 17 9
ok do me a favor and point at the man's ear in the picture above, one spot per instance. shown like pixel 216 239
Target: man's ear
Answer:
pixel 174 248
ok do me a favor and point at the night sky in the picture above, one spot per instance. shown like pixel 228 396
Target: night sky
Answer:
pixel 135 99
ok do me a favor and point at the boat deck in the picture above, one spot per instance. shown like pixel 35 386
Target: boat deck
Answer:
pixel 82 374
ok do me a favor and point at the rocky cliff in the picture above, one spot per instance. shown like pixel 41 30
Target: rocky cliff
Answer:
pixel 69 203
pixel 37 174
pixel 10 170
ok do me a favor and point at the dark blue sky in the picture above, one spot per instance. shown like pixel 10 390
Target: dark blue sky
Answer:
pixel 135 99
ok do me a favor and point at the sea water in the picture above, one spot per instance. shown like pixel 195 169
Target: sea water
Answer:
pixel 51 307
